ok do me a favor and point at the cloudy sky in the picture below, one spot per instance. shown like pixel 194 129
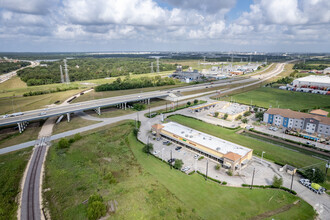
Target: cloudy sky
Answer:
pixel 165 25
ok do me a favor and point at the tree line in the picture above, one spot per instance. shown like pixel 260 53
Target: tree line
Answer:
pixel 7 67
pixel 303 66
pixel 129 83
pixel 89 68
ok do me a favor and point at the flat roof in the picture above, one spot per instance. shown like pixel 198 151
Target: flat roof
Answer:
pixel 316 79
pixel 203 105
pixel 234 109
pixel 209 141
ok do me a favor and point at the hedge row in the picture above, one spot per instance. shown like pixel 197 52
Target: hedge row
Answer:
pixel 49 91
pixel 272 187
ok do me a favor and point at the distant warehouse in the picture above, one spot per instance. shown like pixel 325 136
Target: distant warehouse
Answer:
pixel 227 153
pixel 321 82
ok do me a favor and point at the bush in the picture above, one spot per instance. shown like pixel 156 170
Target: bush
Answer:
pixel 139 106
pixel 216 114
pixel 178 164
pixel 109 176
pixel 63 143
pixel 148 148
pixel 191 173
pixel 225 116
pixel 195 101
pixel 248 113
pixel 96 210
pixel 230 173
pixel 316 176
pixel 217 167
pixel 201 158
pixel 77 137
pixel 188 103
pixel 238 117
pixel 277 181
pixel 245 120
pixel 224 183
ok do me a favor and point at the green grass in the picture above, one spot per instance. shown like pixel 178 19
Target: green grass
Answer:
pixel 10 136
pixel 266 97
pixel 12 166
pixel 75 174
pixel 147 188
pixel 75 122
pixel 273 152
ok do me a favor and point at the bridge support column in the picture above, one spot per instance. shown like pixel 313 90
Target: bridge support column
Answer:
pixel 125 105
pixel 68 116
pixel 98 110
pixel 148 101
pixel 19 127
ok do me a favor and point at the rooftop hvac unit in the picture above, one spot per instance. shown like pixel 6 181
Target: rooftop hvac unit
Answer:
pixel 218 148
pixel 191 136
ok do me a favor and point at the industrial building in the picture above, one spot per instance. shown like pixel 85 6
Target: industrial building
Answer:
pixel 316 124
pixel 313 81
pixel 233 110
pixel 187 76
pixel 230 155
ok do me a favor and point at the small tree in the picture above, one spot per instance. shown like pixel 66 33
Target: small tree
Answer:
pixel 315 175
pixel 255 109
pixel 139 106
pixel 245 120
pixel 217 167
pixel 148 148
pixel 259 116
pixel 63 143
pixel 178 164
pixel 216 114
pixel 238 117
pixel 195 101
pixel 248 113
pixel 277 181
pixel 188 103
pixel 225 116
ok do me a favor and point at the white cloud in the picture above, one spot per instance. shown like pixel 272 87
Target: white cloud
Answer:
pixel 28 6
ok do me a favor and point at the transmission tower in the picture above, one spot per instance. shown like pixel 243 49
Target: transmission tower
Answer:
pixel 62 77
pixel 152 67
pixel 67 79
pixel 157 63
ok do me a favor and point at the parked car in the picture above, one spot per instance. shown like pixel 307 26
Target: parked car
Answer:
pixel 155 152
pixel 185 169
pixel 171 160
pixel 166 142
pixel 196 156
pixel 178 148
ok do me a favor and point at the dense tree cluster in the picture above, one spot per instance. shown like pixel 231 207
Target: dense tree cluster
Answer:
pixel 303 66
pixel 7 67
pixel 89 68
pixel 129 83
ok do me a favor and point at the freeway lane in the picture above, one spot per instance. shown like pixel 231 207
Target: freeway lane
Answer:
pixel 93 104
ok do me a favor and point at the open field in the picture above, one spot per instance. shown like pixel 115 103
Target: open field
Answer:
pixel 75 122
pixel 12 166
pixel 266 97
pixel 13 83
pixel 273 152
pixel 146 188
pixel 11 136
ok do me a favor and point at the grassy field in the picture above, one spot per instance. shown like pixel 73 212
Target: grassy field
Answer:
pixel 146 188
pixel 12 166
pixel 273 152
pixel 13 83
pixel 75 122
pixel 11 136
pixel 266 97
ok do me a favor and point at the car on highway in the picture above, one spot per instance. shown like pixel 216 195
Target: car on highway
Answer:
pixel 42 113
pixel 16 114
pixel 139 96
pixel 5 116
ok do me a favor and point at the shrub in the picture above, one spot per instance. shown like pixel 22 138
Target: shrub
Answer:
pixel 216 114
pixel 245 120
pixel 195 101
pixel 63 143
pixel 77 137
pixel 188 103
pixel 71 140
pixel 191 173
pixel 277 181
pixel 224 183
pixel 238 117
pixel 225 116
pixel 178 164
pixel 217 167
pixel 109 176
pixel 139 106
pixel 230 173
pixel 148 148
pixel 201 158
pixel 248 113
pixel 96 210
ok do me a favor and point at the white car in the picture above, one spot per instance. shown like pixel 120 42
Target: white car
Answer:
pixel 196 156
pixel 185 169
pixel 155 152
pixel 5 116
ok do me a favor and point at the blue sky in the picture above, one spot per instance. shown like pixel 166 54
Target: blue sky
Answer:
pixel 165 25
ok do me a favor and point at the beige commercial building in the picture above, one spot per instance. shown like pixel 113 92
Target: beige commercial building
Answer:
pixel 229 154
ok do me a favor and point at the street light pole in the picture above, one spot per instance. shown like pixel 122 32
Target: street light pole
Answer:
pixel 207 169
pixel 254 169
pixel 262 155
pixel 171 159
pixel 292 181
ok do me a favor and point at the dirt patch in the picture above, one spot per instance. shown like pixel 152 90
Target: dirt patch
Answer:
pixel 273 212
pixel 108 159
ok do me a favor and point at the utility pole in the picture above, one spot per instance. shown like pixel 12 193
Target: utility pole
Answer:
pixel 292 181
pixel 171 159
pixel 149 112
pixel 207 169
pixel 254 169
pixel 166 106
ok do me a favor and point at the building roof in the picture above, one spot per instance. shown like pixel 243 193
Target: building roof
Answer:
pixel 234 109
pixel 208 141
pixel 288 113
pixel 232 156
pixel 203 105
pixel 319 112
pixel 315 79
pixel 157 126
